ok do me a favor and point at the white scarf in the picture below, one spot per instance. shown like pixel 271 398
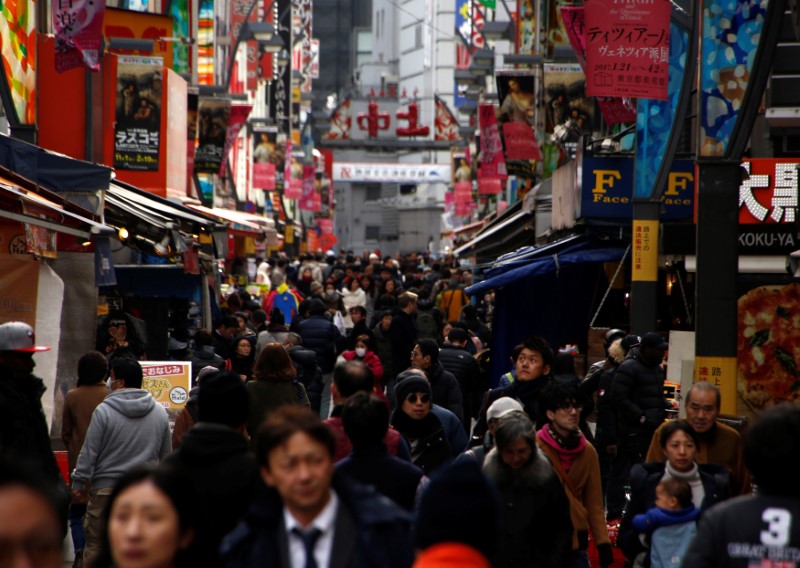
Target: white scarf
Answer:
pixel 692 477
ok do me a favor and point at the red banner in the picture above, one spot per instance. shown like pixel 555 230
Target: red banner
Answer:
pixel 489 186
pixel 463 192
pixel 325 225
pixel 520 142
pixel 492 162
pixel 238 117
pixel 310 200
pixel 615 110
pixel 627 49
pixel 78 27
pixel 264 176
pixel 446 124
pixel 292 188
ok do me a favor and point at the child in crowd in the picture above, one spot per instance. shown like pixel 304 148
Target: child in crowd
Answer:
pixel 669 526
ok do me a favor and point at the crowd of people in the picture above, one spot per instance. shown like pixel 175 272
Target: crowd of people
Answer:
pixel 348 418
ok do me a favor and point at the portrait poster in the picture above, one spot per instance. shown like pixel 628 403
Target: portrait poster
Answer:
pixel 137 132
pixel 565 100
pixel 212 129
pixel 519 95
pixel 460 167
pixel 627 49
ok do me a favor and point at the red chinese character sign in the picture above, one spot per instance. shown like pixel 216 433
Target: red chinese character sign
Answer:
pixel 492 164
pixel 78 26
pixel 627 48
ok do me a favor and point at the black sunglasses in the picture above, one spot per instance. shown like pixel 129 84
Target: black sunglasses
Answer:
pixel 413 397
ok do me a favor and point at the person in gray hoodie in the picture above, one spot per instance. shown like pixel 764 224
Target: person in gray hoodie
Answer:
pixel 128 429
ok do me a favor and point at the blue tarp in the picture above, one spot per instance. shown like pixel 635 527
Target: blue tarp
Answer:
pixel 551 295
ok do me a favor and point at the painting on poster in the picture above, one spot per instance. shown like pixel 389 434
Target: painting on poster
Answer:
pixel 137 131
pixel 566 102
pixel 214 115
pixel 519 94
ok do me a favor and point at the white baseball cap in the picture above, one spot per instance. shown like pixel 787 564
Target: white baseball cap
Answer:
pixel 19 336
pixel 503 406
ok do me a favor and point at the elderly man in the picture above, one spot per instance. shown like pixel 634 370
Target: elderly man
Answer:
pixel 719 444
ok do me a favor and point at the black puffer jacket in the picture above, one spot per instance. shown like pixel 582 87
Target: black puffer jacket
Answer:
pixel 320 336
pixel 638 391
pixel 466 371
pixel 308 373
pixel 445 389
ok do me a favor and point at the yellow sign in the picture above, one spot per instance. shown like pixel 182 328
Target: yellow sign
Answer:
pixel 645 251
pixel 288 235
pixel 721 371
pixel 168 381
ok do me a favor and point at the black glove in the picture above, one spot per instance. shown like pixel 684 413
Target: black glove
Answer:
pixel 605 554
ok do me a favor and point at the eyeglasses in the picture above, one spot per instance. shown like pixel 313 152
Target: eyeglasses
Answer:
pixel 416 354
pixel 570 406
pixel 414 397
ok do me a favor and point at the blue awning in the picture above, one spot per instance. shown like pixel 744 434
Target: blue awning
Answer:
pixel 546 259
pixel 51 170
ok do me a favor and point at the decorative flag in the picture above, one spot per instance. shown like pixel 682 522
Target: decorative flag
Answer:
pixel 341 122
pixel 78 27
pixel 18 35
pixel 627 50
pixel 445 123
pixel 238 117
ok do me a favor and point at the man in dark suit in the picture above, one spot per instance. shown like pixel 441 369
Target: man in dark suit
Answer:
pixel 313 517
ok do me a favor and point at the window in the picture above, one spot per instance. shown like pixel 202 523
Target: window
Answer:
pixel 373 192
pixel 372 232
pixel 408 189
pixel 418 36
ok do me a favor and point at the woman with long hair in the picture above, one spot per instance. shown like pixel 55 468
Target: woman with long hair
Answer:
pixel 243 356
pixel 275 384
pixel 150 522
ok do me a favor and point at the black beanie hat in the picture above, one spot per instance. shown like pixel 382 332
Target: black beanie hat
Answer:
pixel 459 505
pixel 317 307
pixel 223 399
pixel 408 382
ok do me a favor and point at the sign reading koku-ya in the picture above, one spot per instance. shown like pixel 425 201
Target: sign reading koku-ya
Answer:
pixel 607 189
pixel 627 48
pixel 168 381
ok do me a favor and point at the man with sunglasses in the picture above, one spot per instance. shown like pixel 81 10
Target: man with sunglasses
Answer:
pixel 576 464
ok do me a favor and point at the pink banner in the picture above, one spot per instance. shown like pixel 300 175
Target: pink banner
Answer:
pixel 78 27
pixel 615 110
pixel 264 176
pixel 291 188
pixel 489 186
pixel 520 142
pixel 325 225
pixel 627 50
pixel 238 117
pixel 463 192
pixel 310 200
pixel 492 163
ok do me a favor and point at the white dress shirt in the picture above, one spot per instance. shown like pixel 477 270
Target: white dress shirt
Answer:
pixel 325 522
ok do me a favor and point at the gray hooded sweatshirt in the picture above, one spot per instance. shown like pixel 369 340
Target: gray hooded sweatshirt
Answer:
pixel 128 429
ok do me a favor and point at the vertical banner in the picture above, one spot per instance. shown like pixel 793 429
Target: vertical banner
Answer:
pixel 240 11
pixel 236 120
pixel 18 35
pixel 517 115
pixel 192 102
pixel 181 28
pixel 615 110
pixel 214 115
pixel 627 49
pixel 292 174
pixel 265 158
pixel 645 251
pixel 463 17
pixel 280 92
pixel 78 27
pixel 341 122
pixel 205 43
pixel 310 201
pixel 104 274
pixel 137 129
pixel 492 164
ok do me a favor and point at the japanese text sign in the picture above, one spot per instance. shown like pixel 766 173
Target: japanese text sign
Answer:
pixel 627 48
pixel 168 381
pixel 770 193
pixel 78 26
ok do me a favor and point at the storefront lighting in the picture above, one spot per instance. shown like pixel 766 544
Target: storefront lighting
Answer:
pixel 123 234
pixel 162 247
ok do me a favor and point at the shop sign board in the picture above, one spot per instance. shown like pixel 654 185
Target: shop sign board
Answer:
pixel 168 381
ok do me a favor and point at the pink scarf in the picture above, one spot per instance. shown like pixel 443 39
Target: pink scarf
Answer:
pixel 565 456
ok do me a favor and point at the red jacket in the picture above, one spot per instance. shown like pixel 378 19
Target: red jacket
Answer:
pixel 372 362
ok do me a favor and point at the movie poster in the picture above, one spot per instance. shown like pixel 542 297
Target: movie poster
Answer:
pixel 566 102
pixel 138 113
pixel 214 115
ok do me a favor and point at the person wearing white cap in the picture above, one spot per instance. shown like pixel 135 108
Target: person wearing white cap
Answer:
pixel 24 433
pixel 500 408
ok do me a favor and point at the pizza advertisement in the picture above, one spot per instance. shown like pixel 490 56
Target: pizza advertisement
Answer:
pixel 768 349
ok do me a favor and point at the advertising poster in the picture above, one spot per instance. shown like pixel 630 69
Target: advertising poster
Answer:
pixel 212 129
pixel 179 10
pixel 445 123
pixel 78 27
pixel 236 120
pixel 566 102
pixel 18 34
pixel 169 382
pixel 269 154
pixel 627 49
pixel 205 43
pixel 460 167
pixel 517 117
pixel 137 135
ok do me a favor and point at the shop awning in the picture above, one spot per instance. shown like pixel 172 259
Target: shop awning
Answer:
pixel 501 234
pixel 585 250
pixel 137 201
pixel 51 170
pixel 239 220
pixel 49 211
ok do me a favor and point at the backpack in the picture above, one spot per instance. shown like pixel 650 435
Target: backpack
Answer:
pixel 427 328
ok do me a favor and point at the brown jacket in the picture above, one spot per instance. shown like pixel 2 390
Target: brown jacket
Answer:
pixel 721 446
pixel 586 508
pixel 79 405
